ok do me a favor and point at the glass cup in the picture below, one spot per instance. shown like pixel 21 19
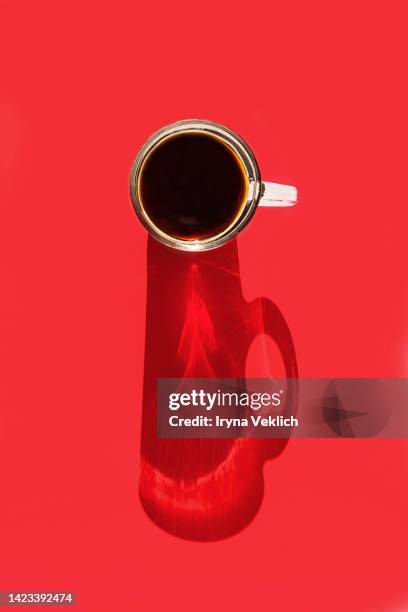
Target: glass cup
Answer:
pixel 258 192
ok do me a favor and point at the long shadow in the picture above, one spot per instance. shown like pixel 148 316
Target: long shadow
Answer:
pixel 198 325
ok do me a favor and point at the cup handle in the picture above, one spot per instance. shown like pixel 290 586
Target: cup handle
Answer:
pixel 274 194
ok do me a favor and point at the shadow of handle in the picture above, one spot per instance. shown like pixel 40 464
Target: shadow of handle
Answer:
pixel 268 319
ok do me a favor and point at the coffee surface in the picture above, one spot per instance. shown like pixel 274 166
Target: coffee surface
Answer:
pixel 192 186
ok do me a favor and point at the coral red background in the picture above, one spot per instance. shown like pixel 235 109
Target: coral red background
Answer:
pixel 318 90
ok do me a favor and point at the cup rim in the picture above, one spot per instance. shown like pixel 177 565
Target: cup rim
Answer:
pixel 239 147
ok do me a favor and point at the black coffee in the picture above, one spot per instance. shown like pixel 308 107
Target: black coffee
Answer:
pixel 192 186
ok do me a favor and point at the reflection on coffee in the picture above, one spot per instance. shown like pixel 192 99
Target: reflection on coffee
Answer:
pixel 192 186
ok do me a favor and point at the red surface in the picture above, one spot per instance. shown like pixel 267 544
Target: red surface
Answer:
pixel 318 90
